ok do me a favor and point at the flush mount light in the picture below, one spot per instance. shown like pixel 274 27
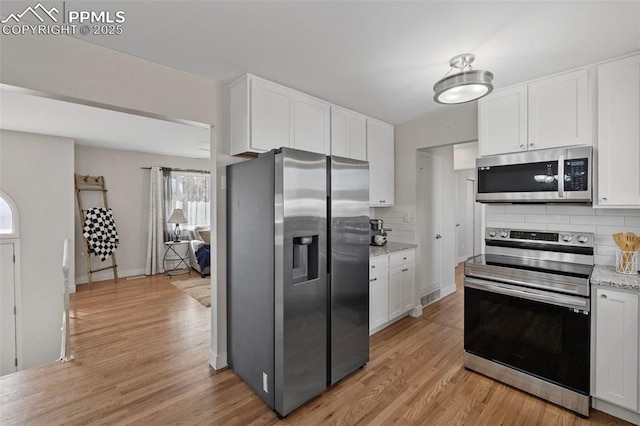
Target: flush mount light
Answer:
pixel 465 85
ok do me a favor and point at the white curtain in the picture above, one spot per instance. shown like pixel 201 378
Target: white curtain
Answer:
pixel 155 243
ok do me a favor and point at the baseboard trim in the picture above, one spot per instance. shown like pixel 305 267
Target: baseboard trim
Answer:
pixel 445 291
pixel 218 362
pixel 615 410
pixel 108 275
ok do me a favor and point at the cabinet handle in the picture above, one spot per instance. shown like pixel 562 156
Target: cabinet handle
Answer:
pixel 604 296
pixel 373 279
pixel 603 199
pixel 383 201
pixel 404 258
pixel 373 266
pixel 532 144
pixel 405 269
pixel 522 146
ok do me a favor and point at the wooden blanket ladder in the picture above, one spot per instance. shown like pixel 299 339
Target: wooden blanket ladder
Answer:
pixel 92 183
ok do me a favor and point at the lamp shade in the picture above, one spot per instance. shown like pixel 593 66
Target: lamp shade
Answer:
pixel 177 217
pixel 465 85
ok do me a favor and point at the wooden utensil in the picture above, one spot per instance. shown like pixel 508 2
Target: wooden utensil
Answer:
pixel 629 241
pixel 619 239
pixel 636 245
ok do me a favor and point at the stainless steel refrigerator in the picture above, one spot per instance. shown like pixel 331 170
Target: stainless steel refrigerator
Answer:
pixel 297 273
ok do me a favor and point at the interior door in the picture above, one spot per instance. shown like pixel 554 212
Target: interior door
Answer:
pixel 429 235
pixel 7 312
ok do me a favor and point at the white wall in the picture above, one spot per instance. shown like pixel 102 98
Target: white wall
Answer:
pixel 602 222
pixel 447 126
pixel 128 196
pixel 464 156
pixel 72 67
pixel 37 172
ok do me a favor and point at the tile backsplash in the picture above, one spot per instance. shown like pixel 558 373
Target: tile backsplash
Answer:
pixel 601 222
pixel 400 219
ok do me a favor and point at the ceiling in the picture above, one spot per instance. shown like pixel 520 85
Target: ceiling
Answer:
pixel 100 127
pixel 377 57
pixel 380 58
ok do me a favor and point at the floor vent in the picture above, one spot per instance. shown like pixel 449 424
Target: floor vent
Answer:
pixel 430 298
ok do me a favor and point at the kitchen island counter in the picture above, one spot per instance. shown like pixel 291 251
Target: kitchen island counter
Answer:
pixel 606 276
pixel 389 248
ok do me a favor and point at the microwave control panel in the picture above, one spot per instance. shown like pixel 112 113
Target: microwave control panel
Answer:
pixel 576 175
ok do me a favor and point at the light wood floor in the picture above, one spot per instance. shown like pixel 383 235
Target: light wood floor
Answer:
pixel 141 350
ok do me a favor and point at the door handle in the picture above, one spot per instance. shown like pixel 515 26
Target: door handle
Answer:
pixel 561 176
pixel 438 236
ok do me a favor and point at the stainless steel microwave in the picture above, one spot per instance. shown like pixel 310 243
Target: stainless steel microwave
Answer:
pixel 542 176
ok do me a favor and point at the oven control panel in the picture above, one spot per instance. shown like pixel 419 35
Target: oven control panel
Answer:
pixel 568 238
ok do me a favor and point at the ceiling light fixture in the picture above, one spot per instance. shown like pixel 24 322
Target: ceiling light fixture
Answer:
pixel 465 85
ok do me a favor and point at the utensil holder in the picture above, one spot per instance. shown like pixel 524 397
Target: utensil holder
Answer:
pixel 626 262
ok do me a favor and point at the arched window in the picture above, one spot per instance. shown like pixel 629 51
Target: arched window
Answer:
pixel 8 217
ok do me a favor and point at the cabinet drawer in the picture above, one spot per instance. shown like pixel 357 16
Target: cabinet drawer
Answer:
pixel 378 265
pixel 402 258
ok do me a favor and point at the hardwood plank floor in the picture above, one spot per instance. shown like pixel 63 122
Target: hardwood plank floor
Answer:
pixel 141 357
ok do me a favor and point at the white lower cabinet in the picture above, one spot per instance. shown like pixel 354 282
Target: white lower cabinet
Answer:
pixel 392 287
pixel 616 357
pixel 378 292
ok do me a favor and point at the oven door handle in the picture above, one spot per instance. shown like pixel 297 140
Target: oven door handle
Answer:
pixel 529 294
pixel 561 176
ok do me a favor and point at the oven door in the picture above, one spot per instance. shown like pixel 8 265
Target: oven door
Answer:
pixel 539 333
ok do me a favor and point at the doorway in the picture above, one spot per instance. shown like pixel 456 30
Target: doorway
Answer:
pixel 9 284
pixel 8 355
pixel 428 221
pixel 465 214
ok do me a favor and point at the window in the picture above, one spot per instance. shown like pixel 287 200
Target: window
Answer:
pixel 189 191
pixel 8 217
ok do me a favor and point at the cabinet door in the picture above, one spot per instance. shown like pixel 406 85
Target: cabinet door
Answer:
pixel 408 288
pixel 502 118
pixel 378 300
pixel 617 347
pixel 271 116
pixel 619 133
pixel 558 111
pixel 339 138
pixel 380 153
pixel 395 293
pixel 348 134
pixel 357 136
pixel 311 125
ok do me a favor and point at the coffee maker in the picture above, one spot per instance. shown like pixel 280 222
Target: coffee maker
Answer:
pixel 377 232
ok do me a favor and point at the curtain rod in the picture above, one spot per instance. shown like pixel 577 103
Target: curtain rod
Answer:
pixel 179 170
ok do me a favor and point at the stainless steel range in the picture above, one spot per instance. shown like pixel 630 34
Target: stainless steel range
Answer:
pixel 527 313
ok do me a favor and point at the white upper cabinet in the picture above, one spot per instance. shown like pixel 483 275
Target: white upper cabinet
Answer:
pixel 618 146
pixel 558 111
pixel 503 121
pixel 271 114
pixel 311 125
pixel 265 115
pixel 547 113
pixel 348 134
pixel 380 153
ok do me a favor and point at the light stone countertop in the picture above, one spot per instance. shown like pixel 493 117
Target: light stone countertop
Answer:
pixel 606 276
pixel 389 248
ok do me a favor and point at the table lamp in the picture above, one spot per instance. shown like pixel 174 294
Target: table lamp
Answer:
pixel 177 217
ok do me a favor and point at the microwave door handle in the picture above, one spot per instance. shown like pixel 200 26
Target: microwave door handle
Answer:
pixel 561 176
